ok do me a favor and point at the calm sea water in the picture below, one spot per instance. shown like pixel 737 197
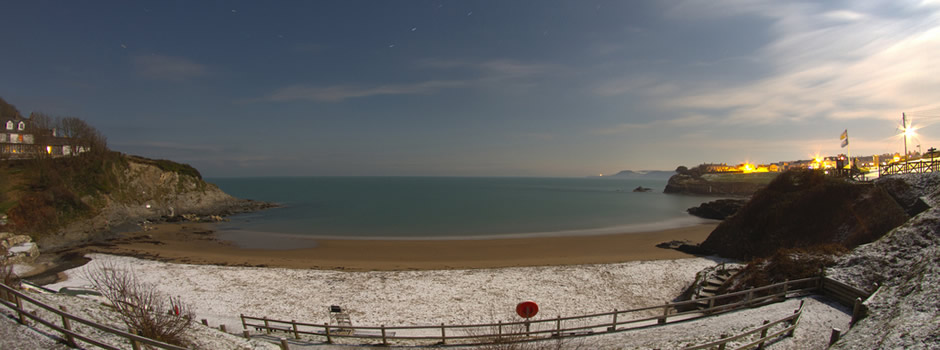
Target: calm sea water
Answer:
pixel 453 208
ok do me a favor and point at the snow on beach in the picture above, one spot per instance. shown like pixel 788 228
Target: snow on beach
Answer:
pixel 221 293
pixel 400 298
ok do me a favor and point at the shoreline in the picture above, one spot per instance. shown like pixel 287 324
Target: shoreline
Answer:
pixel 197 243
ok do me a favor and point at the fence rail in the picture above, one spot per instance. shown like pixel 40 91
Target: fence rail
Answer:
pixel 910 167
pixel 547 328
pixel 500 332
pixel 792 320
pixel 67 319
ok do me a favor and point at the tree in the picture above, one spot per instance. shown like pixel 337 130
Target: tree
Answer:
pixel 40 126
pixel 82 134
pixel 682 169
pixel 7 110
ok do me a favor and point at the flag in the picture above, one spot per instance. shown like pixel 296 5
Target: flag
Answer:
pixel 845 142
pixel 845 135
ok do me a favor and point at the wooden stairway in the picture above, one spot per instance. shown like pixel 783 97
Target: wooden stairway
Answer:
pixel 711 286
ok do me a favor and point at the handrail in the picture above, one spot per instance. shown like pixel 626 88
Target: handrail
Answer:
pixel 67 316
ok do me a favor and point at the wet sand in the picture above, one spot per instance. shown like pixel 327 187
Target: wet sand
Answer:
pixel 196 243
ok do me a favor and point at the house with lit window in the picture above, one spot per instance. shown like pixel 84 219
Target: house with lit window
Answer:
pixel 15 140
pixel 19 141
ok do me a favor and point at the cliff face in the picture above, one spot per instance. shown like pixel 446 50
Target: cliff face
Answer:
pixel 144 191
pixel 803 209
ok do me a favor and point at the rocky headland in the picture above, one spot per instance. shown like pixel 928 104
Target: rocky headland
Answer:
pixel 806 208
pixel 881 237
pixel 124 194
pixel 698 181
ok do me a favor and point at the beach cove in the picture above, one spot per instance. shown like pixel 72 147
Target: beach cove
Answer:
pixel 196 243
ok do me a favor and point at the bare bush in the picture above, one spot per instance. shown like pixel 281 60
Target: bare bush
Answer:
pixel 7 275
pixel 515 337
pixel 141 307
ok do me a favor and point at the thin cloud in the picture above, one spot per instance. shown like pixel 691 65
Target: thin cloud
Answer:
pixel 160 67
pixel 494 69
pixel 343 92
pixel 486 72
pixel 688 121
pixel 829 64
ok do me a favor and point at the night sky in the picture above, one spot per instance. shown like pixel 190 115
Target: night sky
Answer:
pixel 477 88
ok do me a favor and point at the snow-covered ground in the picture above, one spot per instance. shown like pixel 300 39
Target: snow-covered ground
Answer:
pixel 401 298
pixel 220 293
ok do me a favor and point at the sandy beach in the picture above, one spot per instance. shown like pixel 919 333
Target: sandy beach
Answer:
pixel 196 243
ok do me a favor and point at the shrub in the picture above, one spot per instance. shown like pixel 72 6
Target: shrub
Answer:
pixel 7 275
pixel 140 306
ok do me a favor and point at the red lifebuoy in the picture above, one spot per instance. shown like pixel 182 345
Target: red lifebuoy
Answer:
pixel 527 309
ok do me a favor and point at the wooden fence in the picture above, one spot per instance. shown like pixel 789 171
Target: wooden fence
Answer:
pixel 500 332
pixel 919 166
pixel 846 295
pixel 791 321
pixel 541 329
pixel 67 321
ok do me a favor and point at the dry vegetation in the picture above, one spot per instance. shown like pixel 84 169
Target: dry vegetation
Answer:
pixel 140 306
pixel 7 276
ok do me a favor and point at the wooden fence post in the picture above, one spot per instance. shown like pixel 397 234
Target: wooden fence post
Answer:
pixel 222 328
pixel 722 345
pixel 134 344
pixel 284 345
pixel 205 322
pixel 711 302
pixel 244 324
pixel 67 324
pixel 665 314
pixel 856 312
pixel 247 334
pixel 384 341
pixel 750 296
pixel 267 328
pixel 296 333
pixel 499 334
pixel 613 325
pixel 329 340
pixel 834 337
pixel 558 326
pixel 443 334
pixel 19 309
pixel 763 334
pixel 793 322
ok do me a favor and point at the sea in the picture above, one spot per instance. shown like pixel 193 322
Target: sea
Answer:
pixel 449 208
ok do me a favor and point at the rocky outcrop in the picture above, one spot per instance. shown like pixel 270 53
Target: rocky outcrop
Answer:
pixel 146 192
pixel 18 248
pixel 803 209
pixel 642 189
pixel 717 210
pixel 903 312
pixel 689 184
